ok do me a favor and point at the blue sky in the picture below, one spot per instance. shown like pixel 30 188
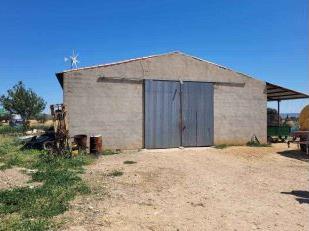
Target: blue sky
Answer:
pixel 265 39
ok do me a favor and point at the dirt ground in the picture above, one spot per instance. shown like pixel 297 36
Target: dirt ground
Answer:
pixel 11 178
pixel 237 188
pixel 14 177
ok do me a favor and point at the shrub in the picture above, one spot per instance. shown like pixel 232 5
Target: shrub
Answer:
pixel 129 162
pixel 115 173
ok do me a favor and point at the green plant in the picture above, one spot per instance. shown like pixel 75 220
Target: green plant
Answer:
pixel 129 162
pixel 222 146
pixel 16 222
pixel 6 129
pixel 115 173
pixel 256 144
pixel 22 101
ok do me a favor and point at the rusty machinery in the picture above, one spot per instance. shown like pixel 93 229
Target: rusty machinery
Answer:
pixel 61 144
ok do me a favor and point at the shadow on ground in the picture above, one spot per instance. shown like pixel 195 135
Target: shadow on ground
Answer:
pixel 301 196
pixel 296 154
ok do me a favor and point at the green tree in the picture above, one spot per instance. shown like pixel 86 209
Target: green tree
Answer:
pixel 272 117
pixel 23 102
pixel 4 115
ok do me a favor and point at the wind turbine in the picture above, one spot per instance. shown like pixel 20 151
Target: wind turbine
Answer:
pixel 73 60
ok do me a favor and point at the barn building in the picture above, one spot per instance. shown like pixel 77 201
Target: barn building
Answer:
pixel 168 100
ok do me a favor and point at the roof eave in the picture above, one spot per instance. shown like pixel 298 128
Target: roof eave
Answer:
pixel 59 76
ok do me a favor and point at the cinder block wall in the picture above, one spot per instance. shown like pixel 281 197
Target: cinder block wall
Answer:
pixel 240 113
pixel 115 109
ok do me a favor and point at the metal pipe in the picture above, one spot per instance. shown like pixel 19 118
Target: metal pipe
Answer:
pixel 278 101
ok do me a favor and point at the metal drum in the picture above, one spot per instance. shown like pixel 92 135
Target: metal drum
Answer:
pixel 81 141
pixel 96 146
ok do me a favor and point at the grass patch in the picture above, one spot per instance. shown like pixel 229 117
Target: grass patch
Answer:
pixel 129 162
pixel 108 152
pixel 27 208
pixel 115 173
pixel 256 144
pixel 7 129
pixel 222 146
pixel 12 155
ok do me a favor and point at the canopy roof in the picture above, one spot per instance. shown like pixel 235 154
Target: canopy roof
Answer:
pixel 275 92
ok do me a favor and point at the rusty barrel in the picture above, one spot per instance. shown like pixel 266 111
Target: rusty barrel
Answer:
pixel 81 141
pixel 96 144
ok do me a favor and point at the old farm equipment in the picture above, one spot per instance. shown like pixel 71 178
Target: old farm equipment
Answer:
pixel 55 140
pixel 301 137
pixel 61 143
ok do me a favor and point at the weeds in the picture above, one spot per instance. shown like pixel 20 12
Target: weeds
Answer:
pixel 32 208
pixel 129 162
pixel 12 155
pixel 107 152
pixel 6 129
pixel 222 146
pixel 256 144
pixel 115 173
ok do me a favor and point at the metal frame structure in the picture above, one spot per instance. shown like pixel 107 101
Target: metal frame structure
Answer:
pixel 278 93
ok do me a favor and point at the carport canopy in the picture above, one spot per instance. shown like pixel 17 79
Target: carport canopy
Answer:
pixel 278 93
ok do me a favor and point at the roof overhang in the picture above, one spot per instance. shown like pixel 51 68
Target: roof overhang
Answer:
pixel 275 93
pixel 60 78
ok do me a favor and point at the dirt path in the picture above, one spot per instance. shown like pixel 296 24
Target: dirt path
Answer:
pixel 238 188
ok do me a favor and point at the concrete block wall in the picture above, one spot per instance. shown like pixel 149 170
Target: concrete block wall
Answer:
pixel 115 108
pixel 240 113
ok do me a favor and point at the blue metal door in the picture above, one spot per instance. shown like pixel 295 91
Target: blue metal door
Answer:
pixel 197 114
pixel 162 114
pixel 178 114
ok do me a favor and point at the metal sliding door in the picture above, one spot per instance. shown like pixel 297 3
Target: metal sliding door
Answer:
pixel 162 114
pixel 178 114
pixel 197 114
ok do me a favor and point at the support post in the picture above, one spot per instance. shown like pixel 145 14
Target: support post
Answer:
pixel 278 113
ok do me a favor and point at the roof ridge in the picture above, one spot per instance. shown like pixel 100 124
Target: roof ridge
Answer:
pixel 120 62
pixel 156 55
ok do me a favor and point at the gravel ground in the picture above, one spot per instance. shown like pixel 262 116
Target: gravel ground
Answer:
pixel 237 188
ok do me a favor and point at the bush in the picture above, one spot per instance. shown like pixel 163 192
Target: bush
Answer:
pixel 129 162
